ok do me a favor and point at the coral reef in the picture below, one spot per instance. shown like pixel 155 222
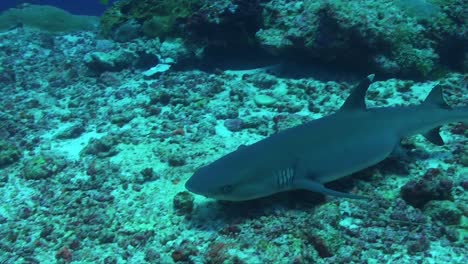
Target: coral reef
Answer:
pixel 8 153
pixel 156 18
pixel 396 36
pixel 406 38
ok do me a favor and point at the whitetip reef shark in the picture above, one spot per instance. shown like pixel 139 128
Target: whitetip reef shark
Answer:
pixel 323 150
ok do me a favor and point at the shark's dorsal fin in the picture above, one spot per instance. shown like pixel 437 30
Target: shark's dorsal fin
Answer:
pixel 241 146
pixel 434 137
pixel 436 98
pixel 357 99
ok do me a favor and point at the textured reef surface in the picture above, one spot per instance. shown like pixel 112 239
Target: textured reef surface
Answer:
pixel 101 127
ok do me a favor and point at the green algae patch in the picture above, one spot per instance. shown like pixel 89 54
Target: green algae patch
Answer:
pixel 158 17
pixel 41 167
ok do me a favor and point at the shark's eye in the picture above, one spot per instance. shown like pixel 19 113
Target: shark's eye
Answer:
pixel 227 188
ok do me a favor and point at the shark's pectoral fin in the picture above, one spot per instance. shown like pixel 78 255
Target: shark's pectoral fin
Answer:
pixel 434 137
pixel 318 187
pixel 306 182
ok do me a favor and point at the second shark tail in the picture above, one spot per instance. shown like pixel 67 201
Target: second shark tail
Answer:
pixel 435 99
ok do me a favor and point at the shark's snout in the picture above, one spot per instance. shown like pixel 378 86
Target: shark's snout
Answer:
pixel 189 185
pixel 195 185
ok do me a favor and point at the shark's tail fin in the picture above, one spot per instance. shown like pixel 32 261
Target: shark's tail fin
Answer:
pixel 436 98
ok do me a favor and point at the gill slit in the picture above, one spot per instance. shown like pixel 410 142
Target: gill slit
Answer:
pixel 285 177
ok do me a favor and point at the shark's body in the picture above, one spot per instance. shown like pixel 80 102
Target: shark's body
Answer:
pixel 323 150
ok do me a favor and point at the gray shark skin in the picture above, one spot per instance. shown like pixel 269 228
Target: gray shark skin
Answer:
pixel 323 150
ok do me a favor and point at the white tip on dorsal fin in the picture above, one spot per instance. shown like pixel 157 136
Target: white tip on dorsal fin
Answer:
pixel 357 99
pixel 436 98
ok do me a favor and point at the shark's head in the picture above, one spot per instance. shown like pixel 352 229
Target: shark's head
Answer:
pixel 231 178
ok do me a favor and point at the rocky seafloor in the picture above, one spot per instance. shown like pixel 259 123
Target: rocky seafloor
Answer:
pixel 97 141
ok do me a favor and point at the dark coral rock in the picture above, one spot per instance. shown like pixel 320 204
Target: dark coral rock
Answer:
pixel 103 147
pixel 73 131
pixel 183 203
pixel 463 160
pixel 3 219
pixel 161 98
pixel 153 110
pixel 64 254
pixel 145 60
pixel 464 184
pixel 152 256
pixel 106 238
pixel 443 211
pixel 432 173
pixel 183 251
pixel 99 62
pixel 24 212
pixel 419 245
pixel 233 125
pixel 3 179
pixel 329 213
pixel 110 260
pixel 452 234
pixel 320 246
pixel 261 80
pixel 460 129
pixel 148 174
pixel 231 23
pixel 41 167
pixel 403 212
pixel 109 79
pixel 75 244
pixel 102 197
pixel 176 160
pixel 127 31
pixel 159 18
pixel 141 238
pixel 231 230
pixel 47 230
pixel 9 154
pixel 122 118
pixel 229 112
pixel 216 253
pixel 418 192
pixel 7 76
pixel 179 255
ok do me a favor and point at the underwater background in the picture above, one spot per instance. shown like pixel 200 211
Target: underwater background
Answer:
pixel 108 107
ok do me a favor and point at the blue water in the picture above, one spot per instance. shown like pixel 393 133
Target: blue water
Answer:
pixel 78 7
